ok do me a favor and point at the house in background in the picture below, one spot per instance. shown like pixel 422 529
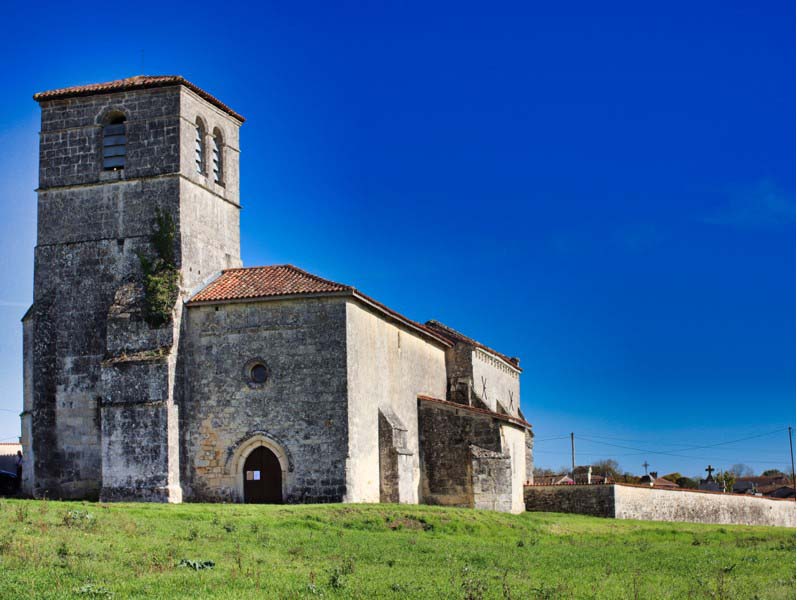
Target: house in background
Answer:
pixel 774 486
pixel 553 480
pixel 8 456
pixel 653 480
pixel 590 475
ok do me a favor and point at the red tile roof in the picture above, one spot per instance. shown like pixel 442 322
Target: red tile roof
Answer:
pixel 139 82
pixel 660 482
pixel 456 336
pixel 263 282
pixel 252 283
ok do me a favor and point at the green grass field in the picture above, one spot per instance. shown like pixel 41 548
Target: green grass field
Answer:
pixel 88 550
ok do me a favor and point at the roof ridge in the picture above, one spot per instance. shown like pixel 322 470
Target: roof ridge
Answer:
pixel 131 83
pixel 274 281
pixel 319 278
pixel 296 269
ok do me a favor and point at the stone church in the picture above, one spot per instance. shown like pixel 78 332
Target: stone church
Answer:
pixel 157 368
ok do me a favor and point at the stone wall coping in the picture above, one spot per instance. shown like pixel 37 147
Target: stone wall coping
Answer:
pixel 456 336
pixel 482 411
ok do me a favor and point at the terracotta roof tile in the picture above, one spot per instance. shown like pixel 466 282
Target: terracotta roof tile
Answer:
pixel 139 82
pixel 253 283
pixel 456 336
pixel 264 282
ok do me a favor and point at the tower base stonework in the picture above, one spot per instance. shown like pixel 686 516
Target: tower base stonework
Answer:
pixel 139 417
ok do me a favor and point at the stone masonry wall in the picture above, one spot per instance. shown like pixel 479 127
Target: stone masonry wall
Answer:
pixel 695 507
pixel 649 504
pixel 446 469
pixel 492 480
pixel 91 226
pixel 209 211
pixel 302 407
pixel 213 118
pixel 478 378
pixel 529 457
pixel 594 500
pixel 28 460
pixel 74 285
pixel 449 464
pixel 496 383
pixel 70 151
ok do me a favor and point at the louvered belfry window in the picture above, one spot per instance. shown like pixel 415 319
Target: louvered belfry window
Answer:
pixel 218 159
pixel 114 141
pixel 200 148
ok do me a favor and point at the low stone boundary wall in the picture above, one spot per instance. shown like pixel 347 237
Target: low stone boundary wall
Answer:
pixel 650 504
pixel 594 500
pixel 640 502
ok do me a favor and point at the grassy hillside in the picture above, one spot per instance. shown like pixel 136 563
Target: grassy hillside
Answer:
pixel 85 550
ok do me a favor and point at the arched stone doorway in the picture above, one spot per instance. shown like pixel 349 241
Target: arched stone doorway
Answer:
pixel 235 466
pixel 262 477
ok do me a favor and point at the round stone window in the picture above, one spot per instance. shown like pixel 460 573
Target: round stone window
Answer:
pixel 256 372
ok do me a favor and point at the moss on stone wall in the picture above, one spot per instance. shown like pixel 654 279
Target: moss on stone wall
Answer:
pixel 161 276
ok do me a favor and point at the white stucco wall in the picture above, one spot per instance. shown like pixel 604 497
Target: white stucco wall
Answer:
pixel 388 365
pixel 675 505
pixel 514 443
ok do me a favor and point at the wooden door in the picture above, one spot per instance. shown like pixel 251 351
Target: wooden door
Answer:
pixel 262 477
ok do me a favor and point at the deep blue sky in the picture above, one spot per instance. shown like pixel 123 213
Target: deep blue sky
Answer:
pixel 605 191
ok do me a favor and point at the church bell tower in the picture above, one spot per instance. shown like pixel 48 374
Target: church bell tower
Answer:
pixel 138 203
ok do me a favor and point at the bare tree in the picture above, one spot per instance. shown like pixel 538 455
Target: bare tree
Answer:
pixel 741 470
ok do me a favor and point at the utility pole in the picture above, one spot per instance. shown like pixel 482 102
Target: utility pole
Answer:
pixel 791 455
pixel 646 464
pixel 573 455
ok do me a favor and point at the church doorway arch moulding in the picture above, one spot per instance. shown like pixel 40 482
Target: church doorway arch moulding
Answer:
pixel 243 456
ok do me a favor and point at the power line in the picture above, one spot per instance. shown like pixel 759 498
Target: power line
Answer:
pixel 590 436
pixel 700 458
pixel 688 447
pixel 560 437
pixel 671 452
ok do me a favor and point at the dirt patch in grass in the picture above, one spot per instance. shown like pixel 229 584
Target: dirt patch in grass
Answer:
pixel 409 523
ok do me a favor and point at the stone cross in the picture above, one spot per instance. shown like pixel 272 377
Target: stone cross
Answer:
pixel 646 464
pixel 710 470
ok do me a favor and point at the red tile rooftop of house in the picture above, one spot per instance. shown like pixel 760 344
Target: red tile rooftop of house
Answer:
pixel 139 82
pixel 263 282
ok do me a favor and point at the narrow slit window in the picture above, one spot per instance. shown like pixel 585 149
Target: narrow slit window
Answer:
pixel 218 157
pixel 200 148
pixel 114 142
